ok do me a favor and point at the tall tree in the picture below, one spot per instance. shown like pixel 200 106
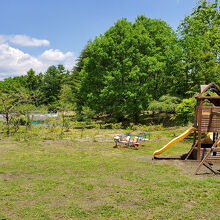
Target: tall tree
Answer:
pixel 11 102
pixel 200 40
pixel 128 66
pixel 52 84
pixel 32 81
pixel 75 78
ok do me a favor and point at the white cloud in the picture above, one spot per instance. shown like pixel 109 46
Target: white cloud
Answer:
pixel 3 39
pixel 55 55
pixel 14 62
pixel 23 40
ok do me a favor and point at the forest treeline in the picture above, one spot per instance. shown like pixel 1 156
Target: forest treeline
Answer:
pixel 131 69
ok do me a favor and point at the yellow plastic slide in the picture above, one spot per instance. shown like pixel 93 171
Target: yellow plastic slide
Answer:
pixel 174 141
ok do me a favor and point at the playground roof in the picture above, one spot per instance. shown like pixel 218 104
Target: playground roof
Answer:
pixel 212 87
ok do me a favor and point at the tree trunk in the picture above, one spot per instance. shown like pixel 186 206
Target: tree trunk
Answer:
pixel 26 125
pixel 7 123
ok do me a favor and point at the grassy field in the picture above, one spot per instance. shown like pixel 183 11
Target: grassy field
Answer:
pixel 72 177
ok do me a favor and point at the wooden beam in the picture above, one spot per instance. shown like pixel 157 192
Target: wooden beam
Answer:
pixel 208 97
pixel 191 150
pixel 199 130
pixel 207 87
pixel 207 155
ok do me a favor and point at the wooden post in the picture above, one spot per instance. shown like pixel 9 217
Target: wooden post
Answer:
pixel 198 157
pixel 192 148
pixel 195 124
pixel 207 155
pixel 26 125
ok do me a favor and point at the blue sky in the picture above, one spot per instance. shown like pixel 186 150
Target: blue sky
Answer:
pixel 39 33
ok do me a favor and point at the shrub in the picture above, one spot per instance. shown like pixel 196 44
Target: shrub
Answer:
pixel 166 104
pixel 185 111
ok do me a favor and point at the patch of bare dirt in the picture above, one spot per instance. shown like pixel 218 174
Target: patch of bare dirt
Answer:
pixel 7 176
pixel 117 181
pixel 187 167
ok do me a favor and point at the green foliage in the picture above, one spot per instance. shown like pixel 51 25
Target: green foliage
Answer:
pixel 66 98
pixel 33 81
pixel 128 66
pixel 52 124
pixel 200 39
pixel 67 123
pixel 185 111
pixel 116 125
pixel 76 79
pixel 166 103
pixel 52 85
pixel 87 114
pixel 13 102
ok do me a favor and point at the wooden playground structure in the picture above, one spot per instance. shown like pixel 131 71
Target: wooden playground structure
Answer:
pixel 207 120
pixel 206 129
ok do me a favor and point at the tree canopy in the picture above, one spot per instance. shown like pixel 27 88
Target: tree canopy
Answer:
pixel 199 36
pixel 130 65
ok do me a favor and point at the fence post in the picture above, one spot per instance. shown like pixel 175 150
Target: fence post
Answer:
pixel 26 125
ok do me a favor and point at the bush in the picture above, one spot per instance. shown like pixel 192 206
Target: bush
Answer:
pixel 117 125
pixel 53 123
pixel 166 104
pixel 185 111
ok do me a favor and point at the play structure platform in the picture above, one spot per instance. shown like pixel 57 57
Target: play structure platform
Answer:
pixel 206 129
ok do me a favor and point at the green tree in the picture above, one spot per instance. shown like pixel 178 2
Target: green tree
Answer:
pixel 200 40
pixel 9 84
pixel 130 65
pixel 76 81
pixel 66 99
pixel 66 103
pixel 53 81
pixel 31 80
pixel 33 83
pixel 11 104
pixel 52 85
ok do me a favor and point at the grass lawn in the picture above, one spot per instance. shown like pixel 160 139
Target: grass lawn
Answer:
pixel 86 178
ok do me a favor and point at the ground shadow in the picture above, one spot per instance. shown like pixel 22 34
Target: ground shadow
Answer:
pixel 182 157
pixel 167 158
pixel 215 165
